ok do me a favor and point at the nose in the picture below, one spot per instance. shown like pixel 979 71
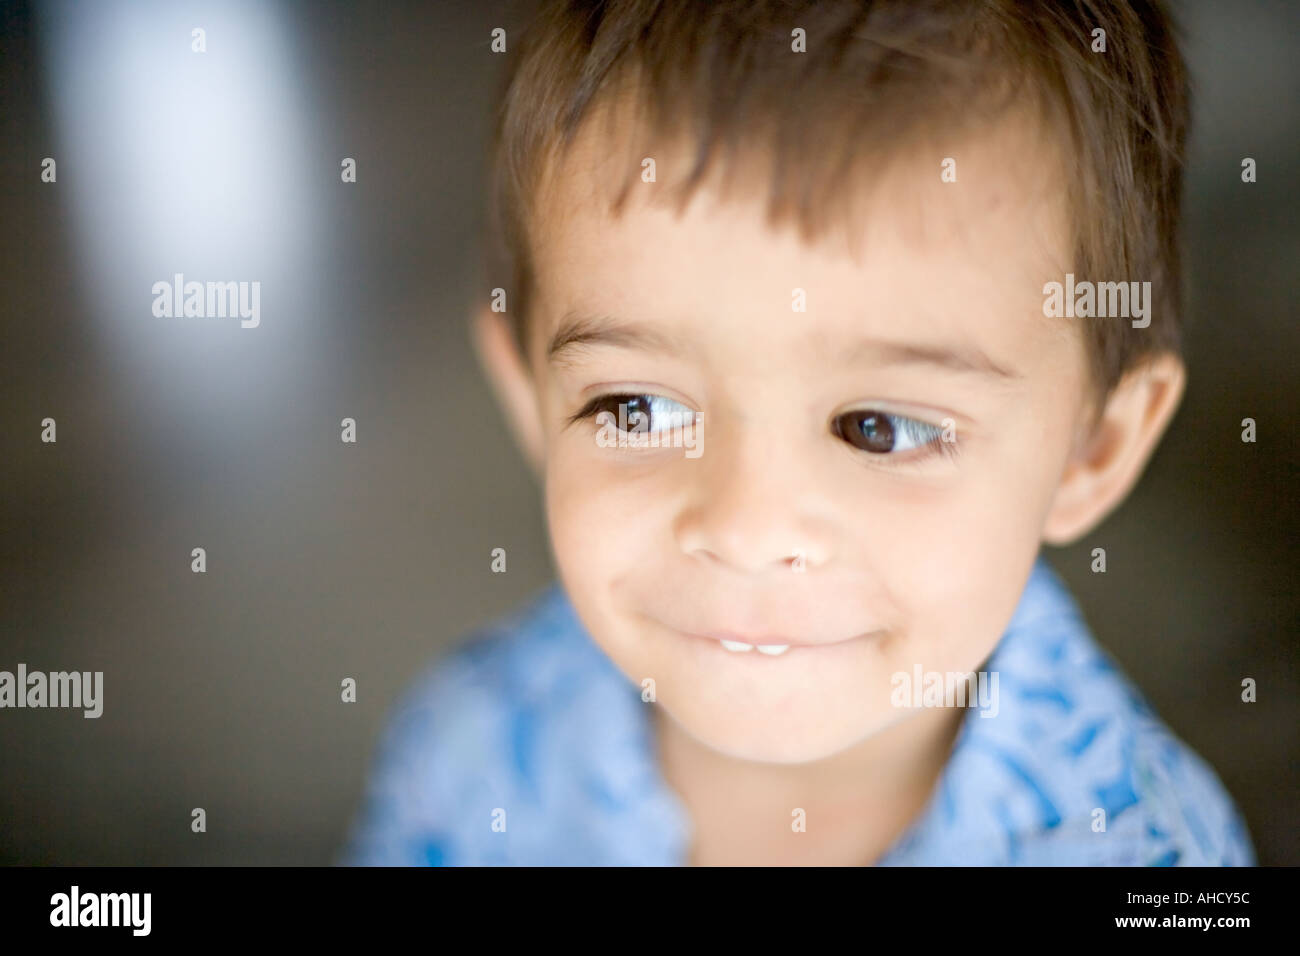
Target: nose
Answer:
pixel 755 506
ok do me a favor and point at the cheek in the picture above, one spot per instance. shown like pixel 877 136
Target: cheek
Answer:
pixel 607 525
pixel 962 584
pixel 603 517
pixel 956 558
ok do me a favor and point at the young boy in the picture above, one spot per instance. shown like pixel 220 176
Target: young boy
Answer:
pixel 912 271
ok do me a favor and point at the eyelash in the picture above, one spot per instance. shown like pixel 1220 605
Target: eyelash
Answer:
pixel 610 403
pixel 927 437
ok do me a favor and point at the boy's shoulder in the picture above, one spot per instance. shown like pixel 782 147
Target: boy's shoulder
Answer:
pixel 525 744
pixel 1074 767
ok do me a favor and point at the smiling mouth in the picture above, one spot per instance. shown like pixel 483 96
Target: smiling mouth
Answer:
pixel 774 643
pixel 772 646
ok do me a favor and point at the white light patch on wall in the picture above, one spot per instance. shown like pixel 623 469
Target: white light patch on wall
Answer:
pixel 180 161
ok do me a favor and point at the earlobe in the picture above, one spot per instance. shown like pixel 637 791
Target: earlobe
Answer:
pixel 1110 459
pixel 507 372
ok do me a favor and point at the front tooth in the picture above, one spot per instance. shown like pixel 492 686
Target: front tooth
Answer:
pixel 737 646
pixel 773 648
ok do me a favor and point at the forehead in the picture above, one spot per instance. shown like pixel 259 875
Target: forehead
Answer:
pixel 909 256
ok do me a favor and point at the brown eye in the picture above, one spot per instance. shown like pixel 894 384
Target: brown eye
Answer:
pixel 644 413
pixel 638 412
pixel 869 430
pixel 630 410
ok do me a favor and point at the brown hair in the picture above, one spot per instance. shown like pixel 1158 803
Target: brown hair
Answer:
pixel 722 73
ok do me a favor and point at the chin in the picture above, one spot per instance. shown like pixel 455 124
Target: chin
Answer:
pixel 776 741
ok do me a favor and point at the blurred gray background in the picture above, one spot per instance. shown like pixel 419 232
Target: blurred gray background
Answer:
pixel 328 560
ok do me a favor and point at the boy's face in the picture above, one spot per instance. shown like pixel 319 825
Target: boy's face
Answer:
pixel 822 508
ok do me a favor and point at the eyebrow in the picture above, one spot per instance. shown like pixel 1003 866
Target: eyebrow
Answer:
pixel 577 330
pixel 967 359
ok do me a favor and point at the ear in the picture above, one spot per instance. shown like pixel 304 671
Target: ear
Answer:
pixel 507 371
pixel 1110 456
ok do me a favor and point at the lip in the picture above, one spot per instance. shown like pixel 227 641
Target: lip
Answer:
pixel 766 639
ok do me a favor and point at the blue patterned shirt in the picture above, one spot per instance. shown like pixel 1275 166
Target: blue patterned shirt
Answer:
pixel 532 718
